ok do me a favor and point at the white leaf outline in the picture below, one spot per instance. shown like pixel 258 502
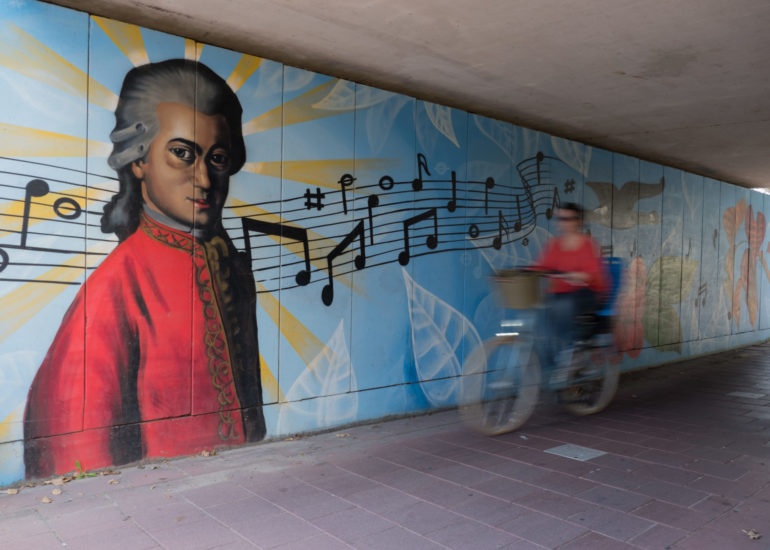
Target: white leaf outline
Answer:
pixel 441 118
pixel 574 154
pixel 330 377
pixel 345 97
pixel 440 336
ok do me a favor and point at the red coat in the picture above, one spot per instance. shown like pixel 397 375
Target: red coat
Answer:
pixel 584 259
pixel 157 356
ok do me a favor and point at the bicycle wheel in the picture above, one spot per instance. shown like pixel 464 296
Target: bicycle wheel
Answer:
pixel 501 385
pixel 591 384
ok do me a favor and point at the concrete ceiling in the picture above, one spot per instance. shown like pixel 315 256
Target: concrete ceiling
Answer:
pixel 684 83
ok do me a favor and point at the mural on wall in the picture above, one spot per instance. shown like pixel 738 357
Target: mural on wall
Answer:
pixel 163 198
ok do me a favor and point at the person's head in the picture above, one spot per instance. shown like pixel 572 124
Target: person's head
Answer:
pixel 570 217
pixel 177 140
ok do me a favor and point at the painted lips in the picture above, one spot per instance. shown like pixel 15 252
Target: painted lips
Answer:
pixel 201 203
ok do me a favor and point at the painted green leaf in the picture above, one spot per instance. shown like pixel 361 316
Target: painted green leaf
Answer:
pixel 668 282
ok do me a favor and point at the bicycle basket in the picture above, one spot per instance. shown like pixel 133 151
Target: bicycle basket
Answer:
pixel 519 289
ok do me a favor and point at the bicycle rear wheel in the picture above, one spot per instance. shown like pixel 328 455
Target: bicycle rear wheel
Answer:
pixel 591 384
pixel 501 386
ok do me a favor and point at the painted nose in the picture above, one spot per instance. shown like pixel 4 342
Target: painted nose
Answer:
pixel 202 179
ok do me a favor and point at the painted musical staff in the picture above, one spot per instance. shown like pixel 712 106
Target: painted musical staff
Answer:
pixel 399 221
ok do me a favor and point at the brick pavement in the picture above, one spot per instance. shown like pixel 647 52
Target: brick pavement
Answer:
pixel 686 465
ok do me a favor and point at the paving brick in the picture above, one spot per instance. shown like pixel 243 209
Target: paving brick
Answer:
pixel 352 524
pixel 200 535
pixel 542 529
pixel 669 492
pixel 318 542
pixel 505 489
pixel 611 523
pixel 39 541
pixel 716 469
pixel 554 504
pixel 467 534
pixel 614 498
pixel 658 537
pixel 709 539
pixel 672 515
pixel 271 530
pixel 395 538
pixel 125 536
pixel 423 517
pixel 595 541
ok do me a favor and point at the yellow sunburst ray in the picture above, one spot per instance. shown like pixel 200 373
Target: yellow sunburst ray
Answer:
pixel 25 54
pixel 20 141
pixel 298 335
pixel 295 247
pixel 127 37
pixel 42 208
pixel 192 50
pixel 300 109
pixel 243 71
pixel 7 425
pixel 270 383
pixel 19 306
pixel 320 173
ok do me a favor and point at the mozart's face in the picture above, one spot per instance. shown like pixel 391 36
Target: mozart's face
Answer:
pixel 187 169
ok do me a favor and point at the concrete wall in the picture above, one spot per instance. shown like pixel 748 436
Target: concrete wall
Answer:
pixel 405 207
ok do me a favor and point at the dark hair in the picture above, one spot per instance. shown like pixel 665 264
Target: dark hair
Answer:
pixel 182 81
pixel 573 207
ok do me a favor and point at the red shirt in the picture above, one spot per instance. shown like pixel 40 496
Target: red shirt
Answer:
pixel 585 259
pixel 146 362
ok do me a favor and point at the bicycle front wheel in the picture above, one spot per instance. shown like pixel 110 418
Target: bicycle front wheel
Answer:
pixel 501 385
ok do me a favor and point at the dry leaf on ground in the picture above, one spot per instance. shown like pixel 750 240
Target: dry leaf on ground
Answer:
pixel 12 491
pixel 752 534
pixel 46 500
pixel 56 492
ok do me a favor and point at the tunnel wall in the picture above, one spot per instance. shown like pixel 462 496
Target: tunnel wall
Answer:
pixel 359 233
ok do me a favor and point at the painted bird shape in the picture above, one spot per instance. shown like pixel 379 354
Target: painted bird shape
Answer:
pixel 617 206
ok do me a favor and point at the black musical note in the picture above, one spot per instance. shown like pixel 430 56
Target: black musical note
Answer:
pixel 473 231
pixel 386 183
pixel 555 202
pixel 488 184
pixel 702 291
pixel 3 259
pixel 327 294
pixel 346 180
pixel 517 224
pixel 372 202
pixel 539 159
pixel 278 229
pixel 35 188
pixel 422 163
pixel 502 225
pixel 452 205
pixel 569 186
pixel 431 241
pixel 309 204
pixel 64 207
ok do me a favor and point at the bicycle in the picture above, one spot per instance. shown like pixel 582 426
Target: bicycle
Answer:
pixel 503 377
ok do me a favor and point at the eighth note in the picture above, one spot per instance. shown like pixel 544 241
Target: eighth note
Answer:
pixel 309 204
pixel 64 207
pixel 431 241
pixel 327 293
pixel 502 225
pixel 555 203
pixel 279 230
pixel 422 162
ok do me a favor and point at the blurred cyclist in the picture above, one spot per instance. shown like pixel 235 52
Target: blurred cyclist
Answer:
pixel 577 286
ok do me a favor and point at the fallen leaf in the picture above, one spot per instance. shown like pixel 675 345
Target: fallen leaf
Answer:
pixel 56 492
pixel 342 435
pixel 752 534
pixel 46 500
pixel 12 491
pixel 208 453
pixel 114 482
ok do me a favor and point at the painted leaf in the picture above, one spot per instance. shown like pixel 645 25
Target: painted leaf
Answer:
pixel 575 155
pixel 440 337
pixel 330 373
pixel 380 117
pixel 500 133
pixel 344 97
pixel 441 117
pixel 666 282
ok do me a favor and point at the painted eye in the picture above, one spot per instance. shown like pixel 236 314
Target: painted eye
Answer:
pixel 221 161
pixel 182 153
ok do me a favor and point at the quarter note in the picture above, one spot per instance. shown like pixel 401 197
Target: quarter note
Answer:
pixel 431 241
pixel 35 188
pixel 371 203
pixel 422 163
pixel 452 205
pixel 281 230
pixel 517 224
pixel 488 184
pixel 327 293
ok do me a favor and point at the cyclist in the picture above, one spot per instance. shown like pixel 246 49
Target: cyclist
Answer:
pixel 577 287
